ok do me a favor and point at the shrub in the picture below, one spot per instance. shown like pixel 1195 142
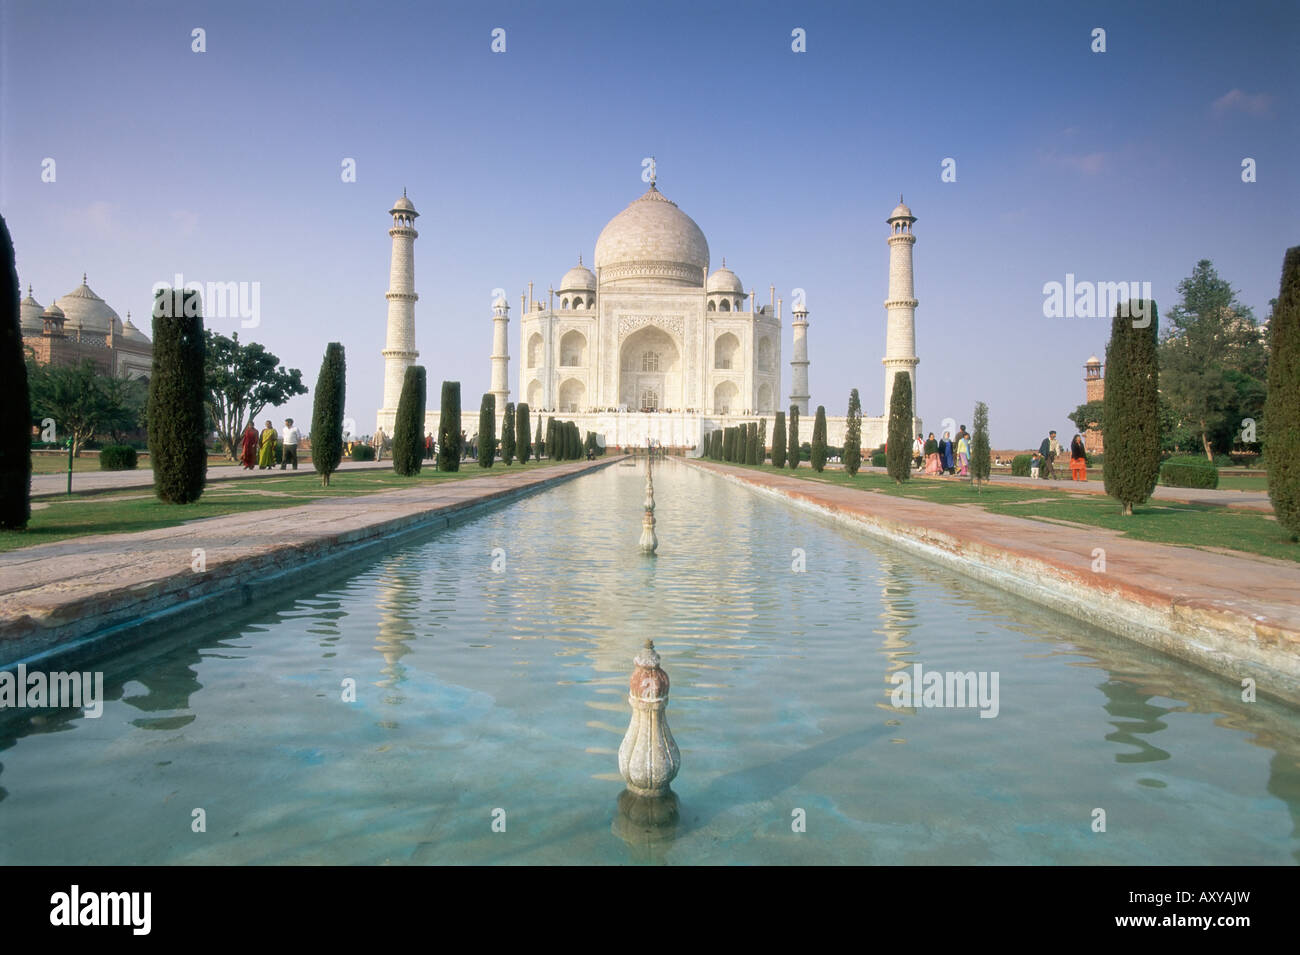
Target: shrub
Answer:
pixel 879 459
pixel 449 440
pixel 817 452
pixel 363 452
pixel 1131 420
pixel 898 441
pixel 508 435
pixel 487 429
pixel 1189 471
pixel 778 441
pixel 523 443
pixel 1020 465
pixel 327 413
pixel 177 416
pixel 408 424
pixel 852 453
pixel 15 399
pixel 117 457
pixel 1282 403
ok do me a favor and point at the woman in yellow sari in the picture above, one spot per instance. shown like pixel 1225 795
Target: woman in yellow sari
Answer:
pixel 266 449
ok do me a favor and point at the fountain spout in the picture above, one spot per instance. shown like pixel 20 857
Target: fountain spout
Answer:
pixel 648 759
pixel 649 543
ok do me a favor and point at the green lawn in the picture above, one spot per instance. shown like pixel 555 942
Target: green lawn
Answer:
pixel 1189 525
pixel 58 463
pixel 136 509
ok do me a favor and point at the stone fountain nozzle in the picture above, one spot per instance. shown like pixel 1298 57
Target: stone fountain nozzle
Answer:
pixel 648 759
pixel 649 543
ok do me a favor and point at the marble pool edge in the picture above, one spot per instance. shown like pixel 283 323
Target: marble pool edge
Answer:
pixel 1222 640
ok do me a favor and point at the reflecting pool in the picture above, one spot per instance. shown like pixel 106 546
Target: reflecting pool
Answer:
pixel 491 663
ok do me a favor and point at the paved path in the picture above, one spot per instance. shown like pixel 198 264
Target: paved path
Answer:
pixel 1218 610
pixel 83 482
pixel 1247 500
pixel 56 593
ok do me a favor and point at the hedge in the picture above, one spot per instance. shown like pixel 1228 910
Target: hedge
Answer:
pixel 1020 465
pixel 363 452
pixel 117 457
pixel 1189 471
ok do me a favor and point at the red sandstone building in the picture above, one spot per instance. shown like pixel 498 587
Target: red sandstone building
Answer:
pixel 1094 389
pixel 81 325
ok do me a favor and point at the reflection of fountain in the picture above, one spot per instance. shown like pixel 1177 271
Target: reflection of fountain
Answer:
pixel 648 758
pixel 397 601
pixel 646 821
pixel 649 543
pixel 898 619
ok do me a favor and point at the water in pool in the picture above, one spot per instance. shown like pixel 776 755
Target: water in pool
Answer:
pixel 495 699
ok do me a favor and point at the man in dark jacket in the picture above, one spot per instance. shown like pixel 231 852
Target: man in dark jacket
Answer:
pixel 1048 450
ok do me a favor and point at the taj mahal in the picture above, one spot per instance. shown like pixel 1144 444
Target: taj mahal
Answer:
pixel 647 343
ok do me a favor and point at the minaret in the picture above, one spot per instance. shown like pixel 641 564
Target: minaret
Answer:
pixel 900 307
pixel 500 353
pixel 399 349
pixel 799 364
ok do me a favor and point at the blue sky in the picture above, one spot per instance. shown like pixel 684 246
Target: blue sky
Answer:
pixel 225 166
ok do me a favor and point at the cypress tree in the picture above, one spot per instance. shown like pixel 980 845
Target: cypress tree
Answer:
pixel 792 441
pixel 981 457
pixel 327 413
pixel 508 435
pixel 449 441
pixel 408 423
pixel 1282 402
pixel 1130 412
pixel 550 438
pixel 177 417
pixel 726 444
pixel 778 441
pixel 898 453
pixel 15 400
pixel 539 446
pixel 853 435
pixel 751 440
pixel 819 440
pixel 487 430
pixel 523 444
pixel 762 440
pixel 731 447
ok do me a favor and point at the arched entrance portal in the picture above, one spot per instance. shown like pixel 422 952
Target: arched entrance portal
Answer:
pixel 650 370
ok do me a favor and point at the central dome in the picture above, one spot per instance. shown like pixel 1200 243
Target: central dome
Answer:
pixel 652 239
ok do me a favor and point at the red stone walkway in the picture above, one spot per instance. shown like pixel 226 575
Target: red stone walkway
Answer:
pixel 1233 614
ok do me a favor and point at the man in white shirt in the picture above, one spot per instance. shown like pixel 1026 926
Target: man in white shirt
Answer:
pixel 289 436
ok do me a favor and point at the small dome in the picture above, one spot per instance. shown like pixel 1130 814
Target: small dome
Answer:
pixel 131 333
pixel 85 311
pixel 1094 360
pixel 29 315
pixel 403 205
pixel 901 211
pixel 578 279
pixel 724 280
pixel 53 311
pixel 500 302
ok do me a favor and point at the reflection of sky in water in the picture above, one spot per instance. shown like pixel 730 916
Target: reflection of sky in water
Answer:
pixel 478 691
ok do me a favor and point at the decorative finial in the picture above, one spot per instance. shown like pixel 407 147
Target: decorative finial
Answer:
pixel 579 258
pixel 648 759
pixel 724 261
pixel 654 172
pixel 83 278
pixel 404 193
pixel 900 198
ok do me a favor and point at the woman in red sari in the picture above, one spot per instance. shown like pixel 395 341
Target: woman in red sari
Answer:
pixel 248 447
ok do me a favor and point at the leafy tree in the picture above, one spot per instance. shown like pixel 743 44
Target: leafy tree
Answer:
pixel 1087 415
pixel 818 456
pixel 177 418
pixel 508 435
pixel 327 413
pixel 1282 412
pixel 450 443
pixel 242 380
pixel 1131 421
pixel 73 395
pixel 487 429
pixel 981 457
pixel 898 443
pixel 523 447
pixel 408 423
pixel 778 441
pixel 1212 360
pixel 792 442
pixel 15 401
pixel 853 435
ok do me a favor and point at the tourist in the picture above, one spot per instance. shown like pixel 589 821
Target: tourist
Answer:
pixel 248 447
pixel 1048 451
pixel 963 453
pixel 380 441
pixel 1034 464
pixel 932 463
pixel 945 453
pixel 918 452
pixel 266 448
pixel 428 446
pixel 291 438
pixel 1078 459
